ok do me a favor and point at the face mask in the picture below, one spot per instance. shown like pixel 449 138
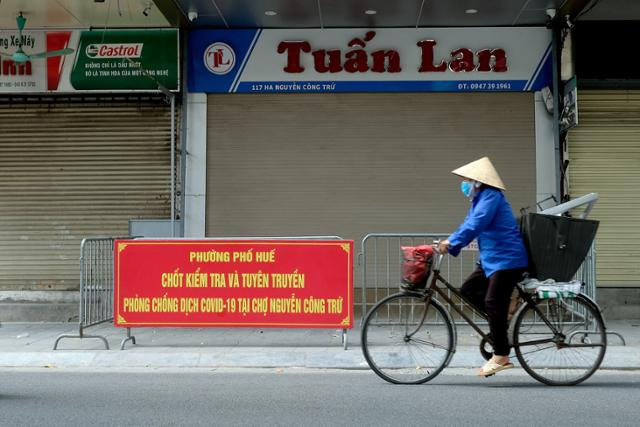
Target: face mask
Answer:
pixel 466 187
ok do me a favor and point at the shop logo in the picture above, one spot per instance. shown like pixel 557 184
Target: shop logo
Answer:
pixel 219 58
pixel 114 50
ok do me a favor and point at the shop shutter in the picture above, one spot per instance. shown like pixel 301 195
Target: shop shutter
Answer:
pixel 73 170
pixel 604 153
pixel 351 164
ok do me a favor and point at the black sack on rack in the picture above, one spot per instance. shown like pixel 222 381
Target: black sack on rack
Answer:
pixel 557 245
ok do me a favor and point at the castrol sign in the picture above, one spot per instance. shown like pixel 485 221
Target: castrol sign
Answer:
pixel 108 61
pixel 114 50
pixel 126 60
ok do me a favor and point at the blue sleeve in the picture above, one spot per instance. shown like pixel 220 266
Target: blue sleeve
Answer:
pixel 478 219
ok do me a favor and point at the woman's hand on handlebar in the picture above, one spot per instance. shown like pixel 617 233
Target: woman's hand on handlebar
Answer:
pixel 443 247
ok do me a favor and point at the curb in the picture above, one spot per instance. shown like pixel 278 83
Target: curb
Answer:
pixel 250 357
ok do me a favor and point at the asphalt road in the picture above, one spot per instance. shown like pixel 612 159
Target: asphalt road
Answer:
pixel 307 397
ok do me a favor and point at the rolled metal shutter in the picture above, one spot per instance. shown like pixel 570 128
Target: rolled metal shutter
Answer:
pixel 72 170
pixel 604 153
pixel 351 164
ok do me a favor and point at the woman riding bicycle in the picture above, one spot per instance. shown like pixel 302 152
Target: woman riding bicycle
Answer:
pixel 503 257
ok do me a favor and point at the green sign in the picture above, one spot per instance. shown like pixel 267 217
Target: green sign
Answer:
pixel 126 59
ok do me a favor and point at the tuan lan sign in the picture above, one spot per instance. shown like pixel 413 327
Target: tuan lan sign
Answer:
pixel 447 59
pixel 357 60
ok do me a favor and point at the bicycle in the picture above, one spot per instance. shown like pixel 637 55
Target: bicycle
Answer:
pixel 409 337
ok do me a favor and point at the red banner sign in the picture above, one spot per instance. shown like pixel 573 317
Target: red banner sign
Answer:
pixel 261 283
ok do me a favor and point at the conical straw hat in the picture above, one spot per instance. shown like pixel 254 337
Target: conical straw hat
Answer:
pixel 481 170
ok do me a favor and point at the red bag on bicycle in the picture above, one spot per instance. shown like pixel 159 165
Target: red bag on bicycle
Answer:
pixel 416 264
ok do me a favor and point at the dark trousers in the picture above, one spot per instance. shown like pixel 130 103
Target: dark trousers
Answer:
pixel 492 295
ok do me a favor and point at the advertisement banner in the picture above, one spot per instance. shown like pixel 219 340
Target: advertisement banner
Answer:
pixel 108 61
pixel 30 76
pixel 359 60
pixel 261 283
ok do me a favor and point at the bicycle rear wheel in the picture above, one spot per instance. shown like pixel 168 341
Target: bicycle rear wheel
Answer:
pixel 406 341
pixel 569 348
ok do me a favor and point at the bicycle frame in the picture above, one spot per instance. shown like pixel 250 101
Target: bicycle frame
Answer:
pixel 433 288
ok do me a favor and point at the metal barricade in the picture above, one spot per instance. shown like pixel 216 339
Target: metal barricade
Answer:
pixel 576 314
pixel 587 272
pixel 380 262
pixel 587 275
pixel 96 286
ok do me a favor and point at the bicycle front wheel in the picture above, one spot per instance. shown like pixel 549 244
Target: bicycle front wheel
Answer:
pixel 405 340
pixel 560 341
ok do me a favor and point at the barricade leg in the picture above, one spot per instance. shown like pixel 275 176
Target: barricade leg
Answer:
pixel 618 335
pixel 128 338
pixel 81 336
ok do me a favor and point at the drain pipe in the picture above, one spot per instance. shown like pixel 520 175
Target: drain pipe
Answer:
pixel 172 100
pixel 173 165
pixel 556 52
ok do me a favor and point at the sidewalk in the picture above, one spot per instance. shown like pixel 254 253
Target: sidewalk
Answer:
pixel 31 345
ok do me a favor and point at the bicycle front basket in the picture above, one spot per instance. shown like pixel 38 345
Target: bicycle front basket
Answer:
pixel 416 264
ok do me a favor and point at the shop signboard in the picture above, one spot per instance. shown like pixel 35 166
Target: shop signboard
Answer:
pixel 569 115
pixel 251 283
pixel 358 60
pixel 104 60
pixel 30 76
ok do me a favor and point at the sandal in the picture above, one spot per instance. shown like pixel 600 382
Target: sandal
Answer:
pixel 491 368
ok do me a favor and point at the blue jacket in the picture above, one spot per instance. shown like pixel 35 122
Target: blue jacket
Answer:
pixel 491 221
